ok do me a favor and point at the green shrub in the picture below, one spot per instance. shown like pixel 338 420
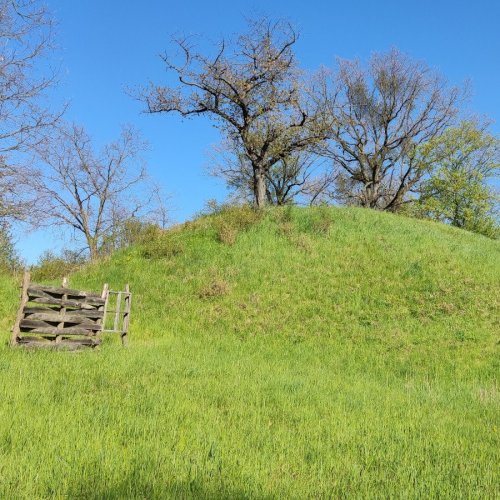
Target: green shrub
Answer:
pixel 226 234
pixel 230 221
pixel 51 266
pixel 10 262
pixel 128 233
pixel 162 246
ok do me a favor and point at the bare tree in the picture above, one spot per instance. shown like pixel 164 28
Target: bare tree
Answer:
pixel 86 191
pixel 15 202
pixel 159 212
pixel 253 91
pixel 297 178
pixel 26 40
pixel 379 116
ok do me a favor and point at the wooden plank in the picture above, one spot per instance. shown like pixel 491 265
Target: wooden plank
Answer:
pixel 55 290
pixel 38 324
pixel 58 317
pixel 37 291
pixel 91 314
pixel 20 312
pixel 67 303
pixel 26 338
pixel 53 330
pixel 41 340
pixel 66 344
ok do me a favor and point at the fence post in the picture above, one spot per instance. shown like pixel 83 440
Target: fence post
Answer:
pixel 62 310
pixel 104 309
pixel 16 330
pixel 126 315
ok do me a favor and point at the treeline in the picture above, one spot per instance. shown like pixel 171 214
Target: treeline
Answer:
pixel 52 175
pixel 390 134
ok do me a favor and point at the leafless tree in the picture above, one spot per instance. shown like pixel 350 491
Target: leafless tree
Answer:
pixel 252 89
pixel 379 116
pixel 26 40
pixel 90 192
pixel 14 201
pixel 298 178
pixel 159 212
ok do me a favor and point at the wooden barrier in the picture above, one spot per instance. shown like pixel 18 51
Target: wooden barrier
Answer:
pixel 61 317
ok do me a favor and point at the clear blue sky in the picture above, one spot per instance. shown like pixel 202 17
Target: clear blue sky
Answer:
pixel 108 45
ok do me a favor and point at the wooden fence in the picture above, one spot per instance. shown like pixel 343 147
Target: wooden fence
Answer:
pixel 61 317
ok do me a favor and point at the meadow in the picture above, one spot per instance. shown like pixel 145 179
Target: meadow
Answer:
pixel 302 353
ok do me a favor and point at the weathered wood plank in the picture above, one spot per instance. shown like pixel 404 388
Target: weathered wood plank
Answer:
pixel 66 344
pixel 37 291
pixel 65 303
pixel 48 328
pixel 56 317
pixel 91 314
pixel 53 330
pixel 55 290
pixel 83 340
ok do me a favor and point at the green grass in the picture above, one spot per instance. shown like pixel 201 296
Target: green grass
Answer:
pixel 311 354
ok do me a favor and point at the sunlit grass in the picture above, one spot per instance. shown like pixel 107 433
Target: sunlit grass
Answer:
pixel 323 353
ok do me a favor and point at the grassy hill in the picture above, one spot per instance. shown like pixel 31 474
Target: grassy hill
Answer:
pixel 306 353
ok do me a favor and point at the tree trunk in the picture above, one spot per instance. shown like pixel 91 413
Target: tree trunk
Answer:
pixel 371 194
pixel 94 254
pixel 259 187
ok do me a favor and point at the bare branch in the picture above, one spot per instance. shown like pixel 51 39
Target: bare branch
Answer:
pixel 92 192
pixel 379 115
pixel 253 90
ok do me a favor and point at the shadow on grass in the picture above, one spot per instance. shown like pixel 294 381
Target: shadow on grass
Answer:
pixel 131 488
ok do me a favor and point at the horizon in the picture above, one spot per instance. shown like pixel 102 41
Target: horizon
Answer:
pixel 99 59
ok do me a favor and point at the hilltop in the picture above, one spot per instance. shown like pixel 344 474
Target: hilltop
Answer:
pixel 298 352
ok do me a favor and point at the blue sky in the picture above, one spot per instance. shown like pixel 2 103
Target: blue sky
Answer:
pixel 109 45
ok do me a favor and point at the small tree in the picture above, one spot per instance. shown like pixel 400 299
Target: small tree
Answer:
pixel 9 259
pixel 254 93
pixel 464 160
pixel 26 40
pixel 379 116
pixel 86 191
pixel 300 177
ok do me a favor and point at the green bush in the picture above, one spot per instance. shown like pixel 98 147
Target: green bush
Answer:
pixel 232 220
pixel 51 266
pixel 9 260
pixel 162 246
pixel 128 233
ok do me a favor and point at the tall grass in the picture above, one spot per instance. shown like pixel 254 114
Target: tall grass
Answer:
pixel 339 353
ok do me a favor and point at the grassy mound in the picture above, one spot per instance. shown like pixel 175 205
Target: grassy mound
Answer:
pixel 300 353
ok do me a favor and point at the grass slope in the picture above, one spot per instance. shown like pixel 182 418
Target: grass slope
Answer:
pixel 314 353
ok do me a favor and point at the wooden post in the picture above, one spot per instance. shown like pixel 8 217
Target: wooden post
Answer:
pixel 62 311
pixel 104 308
pixel 126 315
pixel 16 330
